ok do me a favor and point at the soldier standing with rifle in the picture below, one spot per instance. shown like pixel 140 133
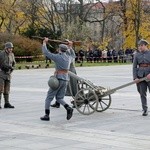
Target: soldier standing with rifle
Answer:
pixel 141 68
pixel 7 62
pixel 62 63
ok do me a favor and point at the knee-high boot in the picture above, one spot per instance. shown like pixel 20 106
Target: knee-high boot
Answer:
pixel 46 116
pixel 6 98
pixel 7 104
pixel 69 111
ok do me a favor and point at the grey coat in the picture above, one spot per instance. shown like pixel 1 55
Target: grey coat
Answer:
pixel 141 58
pixel 6 60
pixel 72 84
pixel 62 62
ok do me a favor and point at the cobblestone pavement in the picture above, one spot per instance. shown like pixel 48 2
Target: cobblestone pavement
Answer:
pixel 121 127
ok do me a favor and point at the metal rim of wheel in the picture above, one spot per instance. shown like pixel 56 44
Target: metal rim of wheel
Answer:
pixel 104 103
pixel 86 101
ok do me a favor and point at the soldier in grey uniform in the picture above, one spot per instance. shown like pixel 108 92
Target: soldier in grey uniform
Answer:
pixel 141 68
pixel 7 62
pixel 62 63
pixel 72 84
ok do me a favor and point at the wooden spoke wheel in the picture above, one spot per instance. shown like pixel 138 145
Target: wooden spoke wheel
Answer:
pixel 86 101
pixel 104 103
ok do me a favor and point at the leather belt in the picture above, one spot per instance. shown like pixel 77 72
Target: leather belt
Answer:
pixel 144 65
pixel 63 71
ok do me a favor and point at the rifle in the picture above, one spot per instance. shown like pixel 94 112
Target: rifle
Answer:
pixel 75 43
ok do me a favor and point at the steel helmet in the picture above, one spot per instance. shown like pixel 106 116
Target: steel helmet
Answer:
pixel 53 83
pixel 8 45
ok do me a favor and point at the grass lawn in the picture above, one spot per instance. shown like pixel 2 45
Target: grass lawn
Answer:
pixel 43 64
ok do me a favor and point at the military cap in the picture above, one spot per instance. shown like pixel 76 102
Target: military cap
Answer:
pixel 143 42
pixel 63 47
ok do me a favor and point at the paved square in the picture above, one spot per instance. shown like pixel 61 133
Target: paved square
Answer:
pixel 121 127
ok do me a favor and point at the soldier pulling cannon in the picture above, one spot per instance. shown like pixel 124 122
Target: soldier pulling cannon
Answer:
pixel 91 98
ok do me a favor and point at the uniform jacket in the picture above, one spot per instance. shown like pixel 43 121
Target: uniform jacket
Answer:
pixel 6 59
pixel 62 61
pixel 141 58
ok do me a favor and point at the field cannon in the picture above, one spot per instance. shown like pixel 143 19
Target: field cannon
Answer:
pixel 90 98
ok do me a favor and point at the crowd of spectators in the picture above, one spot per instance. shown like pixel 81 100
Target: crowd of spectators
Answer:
pixel 109 55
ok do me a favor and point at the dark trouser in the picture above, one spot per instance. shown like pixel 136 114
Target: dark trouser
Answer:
pixel 5 89
pixel 142 89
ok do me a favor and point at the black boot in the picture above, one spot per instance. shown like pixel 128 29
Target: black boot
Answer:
pixel 8 105
pixel 69 111
pixel 145 113
pixel 56 105
pixel 46 116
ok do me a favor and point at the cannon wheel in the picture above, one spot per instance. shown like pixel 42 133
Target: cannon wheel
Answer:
pixel 86 101
pixel 104 103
